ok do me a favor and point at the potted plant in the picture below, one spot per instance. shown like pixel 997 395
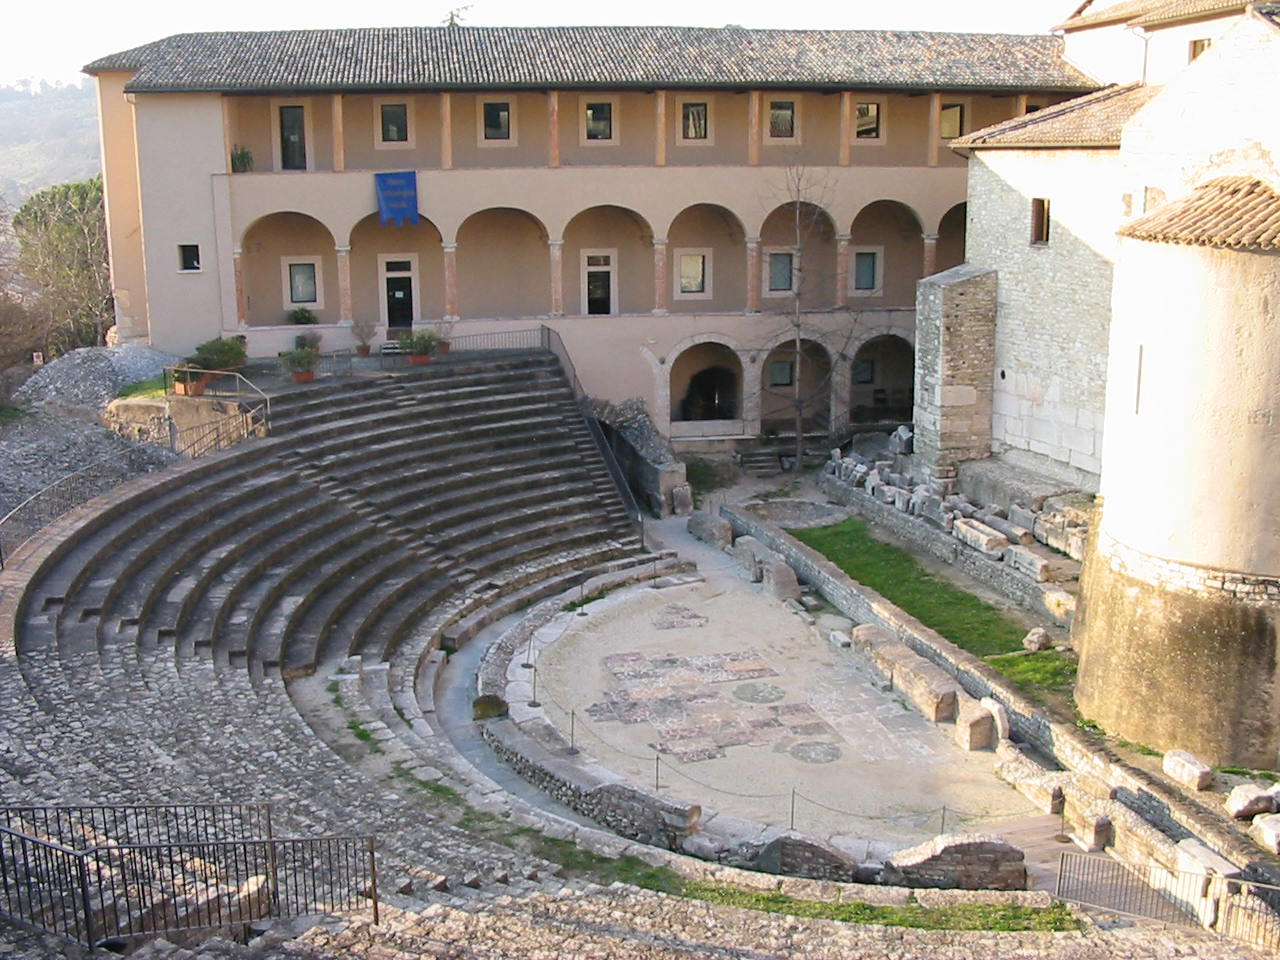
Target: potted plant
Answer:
pixel 241 159
pixel 419 345
pixel 301 362
pixel 304 316
pixel 190 379
pixel 223 353
pixel 364 331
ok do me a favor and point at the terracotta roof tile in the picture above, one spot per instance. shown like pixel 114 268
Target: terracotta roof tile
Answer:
pixel 1094 120
pixel 1237 212
pixel 1098 14
pixel 1140 13
pixel 621 57
pixel 1173 10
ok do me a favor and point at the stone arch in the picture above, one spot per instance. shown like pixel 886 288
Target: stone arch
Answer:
pixel 808 231
pixel 951 238
pixel 503 264
pixel 373 244
pixel 267 248
pixel 622 236
pixel 716 233
pixel 886 254
pixel 706 383
pixel 779 373
pixel 883 380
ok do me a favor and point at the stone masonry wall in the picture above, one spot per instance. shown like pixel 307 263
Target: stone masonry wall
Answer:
pixel 955 333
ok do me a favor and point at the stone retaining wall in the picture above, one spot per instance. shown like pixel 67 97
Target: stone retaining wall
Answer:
pixel 1097 771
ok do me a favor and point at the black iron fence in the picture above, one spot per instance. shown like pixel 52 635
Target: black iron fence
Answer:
pixel 99 873
pixel 1236 908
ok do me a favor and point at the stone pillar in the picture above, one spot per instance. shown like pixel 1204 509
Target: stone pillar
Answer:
pixel 451 281
pixel 242 305
pixel 661 279
pixel 841 391
pixel 339 135
pixel 553 128
pixel 1020 105
pixel 842 269
pixel 955 367
pixel 846 127
pixel 344 283
pixel 446 131
pixel 660 128
pixel 753 128
pixel 751 390
pixel 930 266
pixel 556 247
pixel 935 127
pixel 753 275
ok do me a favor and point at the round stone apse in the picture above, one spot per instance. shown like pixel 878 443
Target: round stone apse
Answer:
pixel 759 693
pixel 815 752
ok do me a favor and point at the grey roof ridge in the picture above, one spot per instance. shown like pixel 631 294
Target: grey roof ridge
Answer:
pixel 1030 120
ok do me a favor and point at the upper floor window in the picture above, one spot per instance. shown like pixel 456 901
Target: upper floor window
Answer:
pixel 293 137
pixel 1197 47
pixel 496 120
pixel 780 272
pixel 189 257
pixel 394 118
pixel 1040 220
pixel 302 282
pixel 599 120
pixel 782 120
pixel 694 119
pixel 867 119
pixel 952 121
pixel 868 271
pixel 693 276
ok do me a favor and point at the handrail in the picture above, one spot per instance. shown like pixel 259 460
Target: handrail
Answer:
pixel 170 376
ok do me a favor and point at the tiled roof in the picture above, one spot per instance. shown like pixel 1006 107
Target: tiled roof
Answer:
pixel 1141 13
pixel 620 57
pixel 1238 212
pixel 1094 120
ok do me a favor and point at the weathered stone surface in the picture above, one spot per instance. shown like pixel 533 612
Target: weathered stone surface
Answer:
pixel 1028 562
pixel 1022 516
pixel 1187 770
pixel 971 862
pixel 806 857
pixel 902 499
pixel 1248 800
pixel 975 727
pixel 868 636
pixel 750 554
pixel 1037 639
pixel 1195 857
pixel 839 639
pixel 931 509
pixel 1266 831
pixel 1012 532
pixel 713 530
pixel 979 536
pixel 999 716
pixel 682 500
pixel 886 493
pixel 960 505
pixel 780 579
pixel 929 687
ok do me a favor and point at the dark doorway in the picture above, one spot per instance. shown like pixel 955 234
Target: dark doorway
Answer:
pixel 598 284
pixel 400 302
pixel 712 395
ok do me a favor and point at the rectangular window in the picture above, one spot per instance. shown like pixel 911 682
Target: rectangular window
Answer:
pixel 952 124
pixel 693 273
pixel 1196 48
pixel 865 263
pixel 864 370
pixel 781 272
pixel 395 122
pixel 497 120
pixel 302 283
pixel 398 266
pixel 293 138
pixel 599 119
pixel 1039 220
pixel 782 119
pixel 781 373
pixel 867 121
pixel 693 121
pixel 188 257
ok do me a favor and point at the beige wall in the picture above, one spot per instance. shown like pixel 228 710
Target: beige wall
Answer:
pixel 504 266
pixel 619 230
pixel 266 243
pixel 807 228
pixel 697 358
pixel 728 128
pixel 1169 50
pixel 705 226
pixel 249 125
pixel 894 230
pixel 369 239
pixel 1113 53
pixel 951 238
pixel 777 403
pixel 116 138
pixel 892 362
pixel 529 129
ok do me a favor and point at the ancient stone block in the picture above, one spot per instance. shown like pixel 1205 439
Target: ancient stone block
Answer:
pixel 969 861
pixel 1187 770
pixel 713 530
pixel 750 553
pixel 1266 832
pixel 975 727
pixel 980 537
pixel 901 440
pixel 1195 857
pixel 999 716
pixel 960 505
pixel 1248 800
pixel 682 500
pixel 929 687
pixel 1094 832
pixel 1037 639
pixel 1013 533
pixel 780 579
pixel 868 636
pixel 839 638
pixel 1022 517
pixel 835 455
pixel 931 509
pixel 1029 563
pixel 902 499
pixel 886 493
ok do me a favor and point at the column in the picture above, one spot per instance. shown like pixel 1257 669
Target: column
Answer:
pixel 339 135
pixel 842 269
pixel 242 305
pixel 344 283
pixel 446 131
pixel 661 279
pixel 1020 105
pixel 753 275
pixel 557 277
pixel 660 128
pixel 227 143
pixel 753 128
pixel 935 127
pixel 553 128
pixel 846 127
pixel 451 281
pixel 930 254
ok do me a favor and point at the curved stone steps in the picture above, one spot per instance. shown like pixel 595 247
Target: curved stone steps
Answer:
pixel 399 611
pixel 493 497
pixel 437 484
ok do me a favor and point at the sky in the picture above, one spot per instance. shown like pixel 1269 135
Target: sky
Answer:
pixel 55 39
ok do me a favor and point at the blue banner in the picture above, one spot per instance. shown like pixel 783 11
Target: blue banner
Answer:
pixel 397 197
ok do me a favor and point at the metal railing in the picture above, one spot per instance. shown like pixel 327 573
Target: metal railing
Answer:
pixel 551 340
pixel 251 417
pixel 45 506
pixel 101 888
pixel 1239 909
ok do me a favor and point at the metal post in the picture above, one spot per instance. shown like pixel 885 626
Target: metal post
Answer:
pixel 373 880
pixel 533 701
pixel 272 863
pixel 573 744
pixel 84 900
pixel 943 828
pixel 793 808
pixel 528 653
pixel 656 760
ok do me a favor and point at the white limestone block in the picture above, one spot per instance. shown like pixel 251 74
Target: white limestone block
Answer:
pixel 1266 831
pixel 980 537
pixel 999 716
pixel 1248 800
pixel 1037 640
pixel 1187 770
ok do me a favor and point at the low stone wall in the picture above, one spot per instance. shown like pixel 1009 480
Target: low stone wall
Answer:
pixel 967 861
pixel 1098 774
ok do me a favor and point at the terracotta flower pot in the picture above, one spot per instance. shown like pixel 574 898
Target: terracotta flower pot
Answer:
pixel 304 376
pixel 362 349
pixel 189 388
pixel 417 359
pixel 442 347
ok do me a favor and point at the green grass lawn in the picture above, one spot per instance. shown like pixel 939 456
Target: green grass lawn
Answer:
pixel 704 476
pixel 968 622
pixel 9 413
pixel 1041 675
pixel 144 388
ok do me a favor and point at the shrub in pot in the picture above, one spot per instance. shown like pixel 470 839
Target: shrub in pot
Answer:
pixel 301 362
pixel 190 380
pixel 418 345
pixel 223 353
pixel 364 331
pixel 304 316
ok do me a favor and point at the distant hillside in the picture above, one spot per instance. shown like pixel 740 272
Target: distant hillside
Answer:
pixel 48 135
